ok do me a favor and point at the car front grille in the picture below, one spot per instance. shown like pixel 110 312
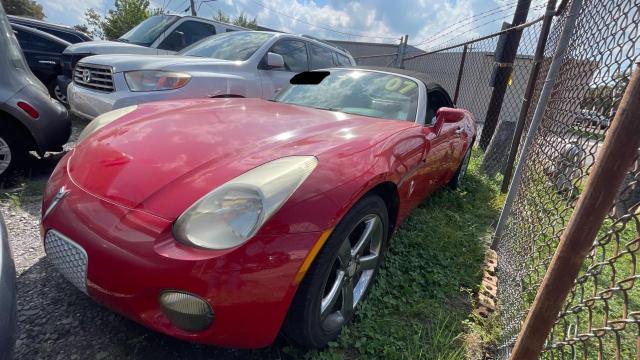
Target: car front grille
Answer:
pixel 68 257
pixel 95 77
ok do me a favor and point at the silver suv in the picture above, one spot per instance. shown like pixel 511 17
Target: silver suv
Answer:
pixel 234 64
pixel 30 120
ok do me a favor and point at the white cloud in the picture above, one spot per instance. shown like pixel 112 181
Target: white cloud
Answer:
pixel 69 13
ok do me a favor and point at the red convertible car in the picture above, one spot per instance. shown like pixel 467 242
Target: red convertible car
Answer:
pixel 228 221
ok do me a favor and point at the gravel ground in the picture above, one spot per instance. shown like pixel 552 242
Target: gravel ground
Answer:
pixel 55 320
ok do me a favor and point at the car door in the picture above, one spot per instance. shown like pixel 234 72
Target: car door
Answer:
pixel 442 142
pixel 294 53
pixel 42 55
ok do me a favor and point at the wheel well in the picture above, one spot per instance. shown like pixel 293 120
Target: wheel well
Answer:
pixel 388 191
pixel 10 122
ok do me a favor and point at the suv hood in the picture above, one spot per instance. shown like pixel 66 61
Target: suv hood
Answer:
pixel 120 63
pixel 164 156
pixel 109 47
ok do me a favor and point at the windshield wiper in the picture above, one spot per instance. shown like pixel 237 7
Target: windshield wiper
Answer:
pixel 122 40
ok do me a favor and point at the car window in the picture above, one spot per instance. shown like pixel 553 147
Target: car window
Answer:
pixel 70 37
pixel 192 31
pixel 39 43
pixel 435 100
pixel 342 60
pixel 233 46
pixel 367 93
pixel 294 53
pixel 24 39
pixel 149 30
pixel 321 57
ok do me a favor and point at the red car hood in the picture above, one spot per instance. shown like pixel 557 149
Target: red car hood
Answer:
pixel 190 147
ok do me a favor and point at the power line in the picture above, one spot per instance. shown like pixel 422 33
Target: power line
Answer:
pixel 470 30
pixel 471 19
pixel 322 27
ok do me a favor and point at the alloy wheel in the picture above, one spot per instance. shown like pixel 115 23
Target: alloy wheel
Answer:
pixel 352 272
pixel 5 155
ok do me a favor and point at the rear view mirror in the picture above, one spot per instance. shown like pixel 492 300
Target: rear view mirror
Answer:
pixel 275 61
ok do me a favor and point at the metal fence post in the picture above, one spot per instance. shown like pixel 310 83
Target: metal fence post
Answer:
pixel 531 85
pixel 614 159
pixel 549 82
pixel 460 71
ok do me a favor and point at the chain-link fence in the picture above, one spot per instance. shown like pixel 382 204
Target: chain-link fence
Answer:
pixel 466 72
pixel 600 318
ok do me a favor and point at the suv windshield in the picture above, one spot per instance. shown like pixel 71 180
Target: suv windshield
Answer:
pixel 367 93
pixel 148 31
pixel 234 46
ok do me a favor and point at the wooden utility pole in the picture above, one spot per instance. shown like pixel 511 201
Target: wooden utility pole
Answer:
pixel 504 68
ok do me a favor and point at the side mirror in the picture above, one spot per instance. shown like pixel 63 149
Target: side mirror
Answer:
pixel 274 61
pixel 447 115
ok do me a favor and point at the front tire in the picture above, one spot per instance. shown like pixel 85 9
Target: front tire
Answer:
pixel 341 275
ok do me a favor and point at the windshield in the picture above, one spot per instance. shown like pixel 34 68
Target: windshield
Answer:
pixel 234 46
pixel 358 92
pixel 148 31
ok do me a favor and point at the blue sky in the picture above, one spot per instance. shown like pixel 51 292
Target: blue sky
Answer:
pixel 371 20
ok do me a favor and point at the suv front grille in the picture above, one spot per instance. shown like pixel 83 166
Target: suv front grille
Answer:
pixel 96 77
pixel 68 257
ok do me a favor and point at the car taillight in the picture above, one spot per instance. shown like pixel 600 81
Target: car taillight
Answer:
pixel 28 109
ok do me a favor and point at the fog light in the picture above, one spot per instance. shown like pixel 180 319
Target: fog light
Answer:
pixel 186 311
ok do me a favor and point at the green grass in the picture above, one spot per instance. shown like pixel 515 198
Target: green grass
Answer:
pixel 422 300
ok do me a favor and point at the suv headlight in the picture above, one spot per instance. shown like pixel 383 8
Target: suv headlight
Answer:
pixel 231 214
pixel 103 120
pixel 155 80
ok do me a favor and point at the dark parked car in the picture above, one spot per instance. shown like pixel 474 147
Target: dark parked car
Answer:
pixel 66 33
pixel 7 296
pixel 43 53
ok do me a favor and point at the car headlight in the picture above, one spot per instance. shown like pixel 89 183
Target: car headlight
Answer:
pixel 105 119
pixel 232 213
pixel 155 80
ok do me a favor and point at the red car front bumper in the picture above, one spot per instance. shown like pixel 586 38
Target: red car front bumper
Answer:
pixel 132 257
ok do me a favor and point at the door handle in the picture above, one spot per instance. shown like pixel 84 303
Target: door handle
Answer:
pixel 50 62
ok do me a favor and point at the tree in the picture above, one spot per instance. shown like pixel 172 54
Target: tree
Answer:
pixel 93 22
pixel 222 17
pixel 243 20
pixel 123 17
pixel 28 8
